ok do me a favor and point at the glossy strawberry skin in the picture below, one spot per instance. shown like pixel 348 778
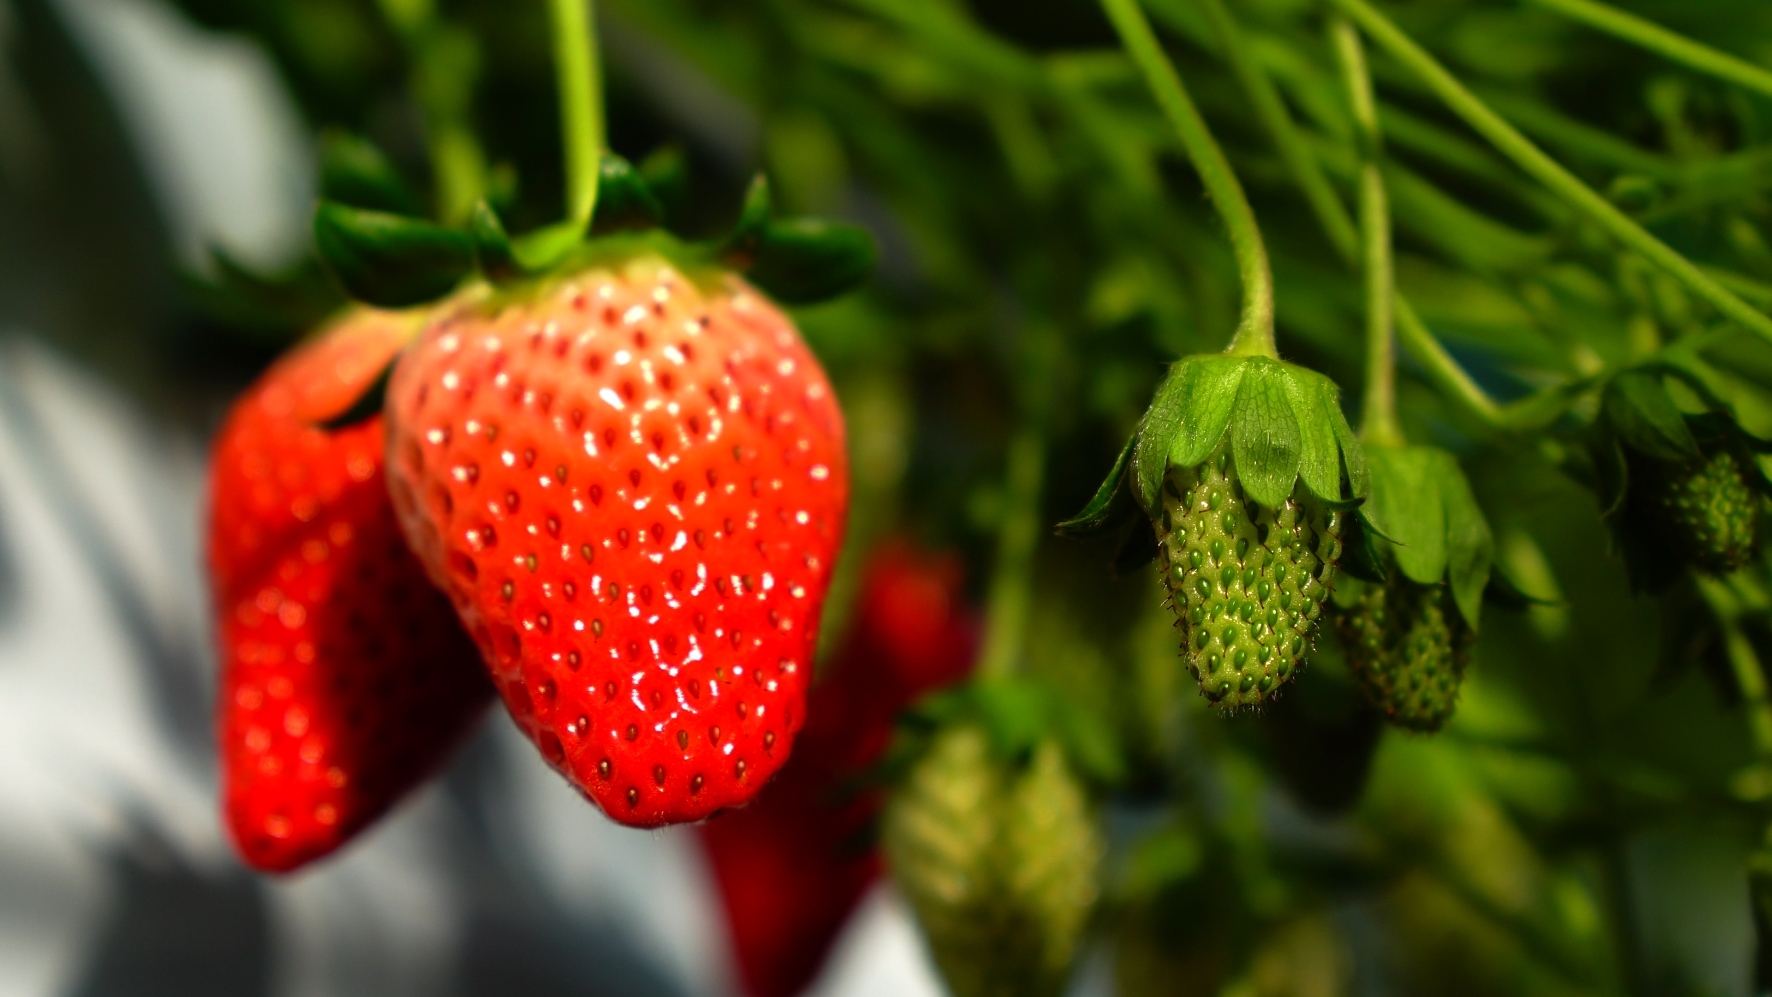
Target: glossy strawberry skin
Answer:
pixel 345 677
pixel 792 866
pixel 633 488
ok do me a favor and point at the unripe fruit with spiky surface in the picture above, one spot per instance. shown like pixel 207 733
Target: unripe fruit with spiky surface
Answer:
pixel 1246 582
pixel 1712 509
pixel 1408 647
pixel 999 865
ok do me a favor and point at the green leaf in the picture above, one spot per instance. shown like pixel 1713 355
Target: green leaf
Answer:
pixel 1353 456
pixel 1406 505
pixel 1110 506
pixel 1157 430
pixel 390 260
pixel 1639 410
pixel 354 171
pixel 1470 546
pixel 801 261
pixel 624 200
pixel 1265 438
pixel 1319 459
pixel 1211 393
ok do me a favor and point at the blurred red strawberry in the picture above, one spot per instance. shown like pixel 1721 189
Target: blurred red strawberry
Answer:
pixel 793 865
pixel 345 677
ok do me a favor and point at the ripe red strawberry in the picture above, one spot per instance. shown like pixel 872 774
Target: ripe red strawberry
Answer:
pixel 793 865
pixel 345 678
pixel 632 485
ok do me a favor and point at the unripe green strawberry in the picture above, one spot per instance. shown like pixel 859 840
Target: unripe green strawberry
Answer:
pixel 1246 582
pixel 999 866
pixel 1710 508
pixel 1408 646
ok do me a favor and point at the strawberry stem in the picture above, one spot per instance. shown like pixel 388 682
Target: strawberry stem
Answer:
pixel 1378 422
pixel 1663 42
pixel 1255 327
pixel 580 76
pixel 1437 365
pixel 1553 175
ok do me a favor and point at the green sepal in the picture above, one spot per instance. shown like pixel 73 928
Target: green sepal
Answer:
pixel 1353 456
pixel 272 309
pixel 1639 409
pixel 544 248
pixel 802 261
pixel 1503 591
pixel 1210 396
pixel 1470 545
pixel 1157 430
pixel 1360 554
pixel 1319 457
pixel 388 260
pixel 624 199
pixel 1406 505
pixel 492 246
pixel 666 171
pixel 798 261
pixel 1112 504
pixel 354 171
pixel 1265 439
pixel 368 404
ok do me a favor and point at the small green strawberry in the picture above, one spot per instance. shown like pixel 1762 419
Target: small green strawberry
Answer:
pixel 1677 474
pixel 1409 627
pixel 999 864
pixel 1245 467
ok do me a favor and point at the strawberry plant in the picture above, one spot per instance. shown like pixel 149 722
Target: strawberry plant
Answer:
pixel 1425 574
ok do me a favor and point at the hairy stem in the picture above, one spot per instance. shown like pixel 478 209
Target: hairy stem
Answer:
pixel 1255 327
pixel 1548 171
pixel 1378 421
pixel 574 26
pixel 1657 39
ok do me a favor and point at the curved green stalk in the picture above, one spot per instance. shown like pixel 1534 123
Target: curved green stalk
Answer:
pixel 1271 109
pixel 1548 171
pixel 1657 39
pixel 574 26
pixel 1255 328
pixel 1378 419
pixel 1011 589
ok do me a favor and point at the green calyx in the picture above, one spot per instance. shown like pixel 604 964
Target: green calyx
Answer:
pixel 1423 519
pixel 998 860
pixel 1680 480
pixel 1408 646
pixel 383 255
pixel 1244 466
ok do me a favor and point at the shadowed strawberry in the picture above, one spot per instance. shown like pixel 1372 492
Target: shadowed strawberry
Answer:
pixel 792 866
pixel 345 677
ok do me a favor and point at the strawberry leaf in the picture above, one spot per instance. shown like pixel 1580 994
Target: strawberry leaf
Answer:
pixel 387 260
pixel 1265 438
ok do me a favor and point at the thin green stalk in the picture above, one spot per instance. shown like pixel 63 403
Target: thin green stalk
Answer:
pixel 1441 369
pixel 1548 171
pixel 1271 109
pixel 1378 420
pixel 1011 590
pixel 1255 328
pixel 1661 41
pixel 1750 676
pixel 574 25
